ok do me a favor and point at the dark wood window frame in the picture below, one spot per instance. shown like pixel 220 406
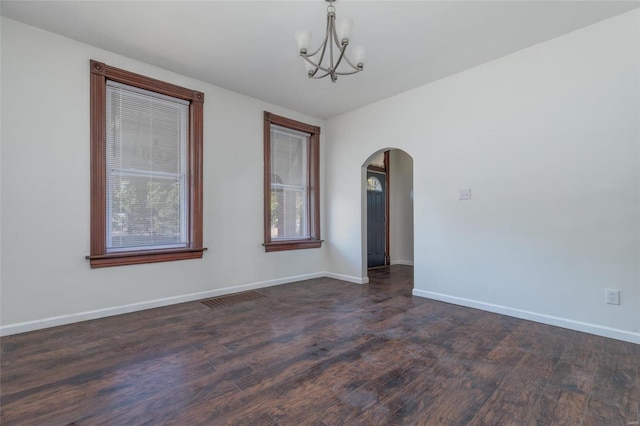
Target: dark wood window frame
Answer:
pixel 313 192
pixel 99 256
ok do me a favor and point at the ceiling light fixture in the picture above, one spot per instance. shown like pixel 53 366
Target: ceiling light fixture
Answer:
pixel 321 63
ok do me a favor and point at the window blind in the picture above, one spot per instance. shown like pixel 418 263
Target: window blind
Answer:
pixel 146 162
pixel 289 183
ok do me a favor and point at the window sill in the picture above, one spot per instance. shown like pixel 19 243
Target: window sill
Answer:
pixel 139 257
pixel 292 245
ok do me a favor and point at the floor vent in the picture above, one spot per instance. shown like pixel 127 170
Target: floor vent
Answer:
pixel 232 299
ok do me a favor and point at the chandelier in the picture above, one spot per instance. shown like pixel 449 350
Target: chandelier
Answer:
pixel 330 59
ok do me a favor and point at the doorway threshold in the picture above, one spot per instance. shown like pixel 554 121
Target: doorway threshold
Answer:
pixel 377 267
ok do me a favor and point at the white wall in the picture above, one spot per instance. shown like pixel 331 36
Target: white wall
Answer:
pixel 0 163
pixel 45 192
pixel 547 138
pixel 401 207
pixel 548 141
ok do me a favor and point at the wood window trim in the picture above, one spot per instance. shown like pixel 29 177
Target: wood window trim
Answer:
pixel 99 256
pixel 314 185
pixel 373 168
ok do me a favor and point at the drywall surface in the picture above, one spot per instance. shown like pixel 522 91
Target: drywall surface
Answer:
pixel 45 190
pixel 547 139
pixel 0 161
pixel 401 207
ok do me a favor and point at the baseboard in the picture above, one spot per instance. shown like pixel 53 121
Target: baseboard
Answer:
pixel 348 278
pixel 598 330
pixel 402 262
pixel 24 327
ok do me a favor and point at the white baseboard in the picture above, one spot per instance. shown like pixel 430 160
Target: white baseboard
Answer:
pixel 598 330
pixel 348 278
pixel 402 262
pixel 517 313
pixel 23 327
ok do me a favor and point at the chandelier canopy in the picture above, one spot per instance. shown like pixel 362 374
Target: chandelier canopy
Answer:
pixel 330 59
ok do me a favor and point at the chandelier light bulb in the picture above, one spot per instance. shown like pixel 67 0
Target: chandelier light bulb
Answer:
pixel 359 55
pixel 303 38
pixel 343 29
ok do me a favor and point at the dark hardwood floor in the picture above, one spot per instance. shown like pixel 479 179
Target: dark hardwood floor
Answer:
pixel 318 352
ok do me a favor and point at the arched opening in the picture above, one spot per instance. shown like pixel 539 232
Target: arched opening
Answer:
pixel 387 177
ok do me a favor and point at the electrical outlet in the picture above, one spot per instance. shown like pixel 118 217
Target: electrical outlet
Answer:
pixel 613 296
pixel 464 194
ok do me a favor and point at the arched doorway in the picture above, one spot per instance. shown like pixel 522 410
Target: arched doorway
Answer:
pixel 387 233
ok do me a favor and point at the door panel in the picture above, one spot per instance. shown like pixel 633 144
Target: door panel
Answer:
pixel 375 220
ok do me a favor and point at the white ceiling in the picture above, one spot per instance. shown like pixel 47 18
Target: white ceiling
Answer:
pixel 249 47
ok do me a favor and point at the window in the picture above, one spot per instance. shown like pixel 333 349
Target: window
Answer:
pixel 291 184
pixel 373 184
pixel 146 169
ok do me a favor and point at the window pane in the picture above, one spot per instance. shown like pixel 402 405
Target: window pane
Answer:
pixel 288 213
pixel 288 156
pixel 145 212
pixel 373 184
pixel 146 163
pixel 289 202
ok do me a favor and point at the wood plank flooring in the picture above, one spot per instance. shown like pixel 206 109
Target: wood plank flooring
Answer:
pixel 318 352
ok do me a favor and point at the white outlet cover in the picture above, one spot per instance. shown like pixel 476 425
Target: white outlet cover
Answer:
pixel 464 194
pixel 612 296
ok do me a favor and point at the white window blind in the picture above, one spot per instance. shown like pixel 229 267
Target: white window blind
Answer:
pixel 289 184
pixel 146 169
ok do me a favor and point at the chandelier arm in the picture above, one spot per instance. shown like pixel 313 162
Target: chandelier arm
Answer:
pixel 313 53
pixel 318 67
pixel 355 67
pixel 342 55
pixel 322 76
pixel 330 37
pixel 343 49
pixel 309 61
pixel 331 30
pixel 323 46
pixel 337 42
pixel 310 73
pixel 357 70
pixel 307 56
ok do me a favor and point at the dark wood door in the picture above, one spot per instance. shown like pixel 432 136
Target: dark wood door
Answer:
pixel 375 219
